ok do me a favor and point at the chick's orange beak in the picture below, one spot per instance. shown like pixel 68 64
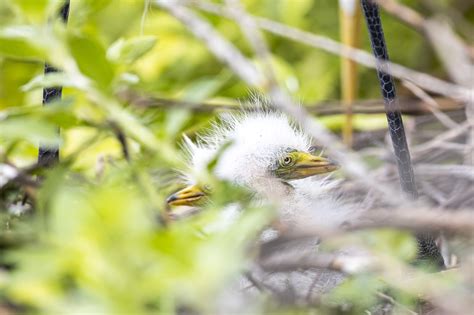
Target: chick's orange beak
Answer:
pixel 189 196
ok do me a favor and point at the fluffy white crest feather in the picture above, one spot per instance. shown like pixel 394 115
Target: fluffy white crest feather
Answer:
pixel 255 139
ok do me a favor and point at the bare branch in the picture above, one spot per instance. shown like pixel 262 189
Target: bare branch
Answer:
pixel 433 144
pixel 432 105
pixel 409 106
pixel 348 264
pixel 462 171
pixel 441 36
pixel 459 222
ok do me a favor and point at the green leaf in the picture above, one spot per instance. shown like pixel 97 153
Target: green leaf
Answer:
pixel 38 10
pixel 128 51
pixel 21 42
pixel 359 292
pixel 48 80
pixel 399 244
pixel 29 129
pixel 176 119
pixel 90 57
pixel 204 88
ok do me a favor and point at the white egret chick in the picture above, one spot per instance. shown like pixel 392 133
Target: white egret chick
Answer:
pixel 270 156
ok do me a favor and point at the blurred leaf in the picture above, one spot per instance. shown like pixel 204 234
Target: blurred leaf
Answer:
pixel 59 113
pixel 22 42
pixel 284 73
pixel 204 88
pixel 38 10
pixel 84 10
pixel 358 292
pixel 176 119
pixel 400 245
pixel 29 129
pixel 130 50
pixel 90 57
pixel 52 79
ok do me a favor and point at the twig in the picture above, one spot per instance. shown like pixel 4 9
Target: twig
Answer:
pixel 392 301
pixel 343 263
pixel 435 31
pixel 122 140
pixel 254 281
pixel 462 171
pixel 409 106
pixel 460 222
pixel 433 144
pixel 431 105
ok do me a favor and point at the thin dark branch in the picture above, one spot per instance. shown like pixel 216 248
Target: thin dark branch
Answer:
pixel 122 140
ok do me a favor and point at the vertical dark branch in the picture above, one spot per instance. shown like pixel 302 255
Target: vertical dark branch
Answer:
pixel 48 156
pixel 427 248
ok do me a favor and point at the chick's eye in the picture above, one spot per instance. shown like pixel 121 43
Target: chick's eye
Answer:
pixel 287 160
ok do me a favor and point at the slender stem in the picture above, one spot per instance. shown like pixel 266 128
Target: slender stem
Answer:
pixel 48 156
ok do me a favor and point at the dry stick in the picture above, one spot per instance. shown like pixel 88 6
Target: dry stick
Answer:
pixel 122 139
pixel 432 105
pixel 48 156
pixel 433 144
pixel 231 56
pixel 403 13
pixel 459 222
pixel 452 51
pixel 460 171
pixel 341 263
pixel 409 106
pixel 455 16
pixel 423 80
pixel 391 300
